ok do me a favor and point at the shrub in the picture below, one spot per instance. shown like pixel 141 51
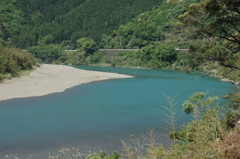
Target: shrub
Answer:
pixel 12 61
pixel 46 53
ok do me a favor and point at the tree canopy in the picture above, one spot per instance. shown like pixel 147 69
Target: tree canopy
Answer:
pixel 73 19
pixel 219 18
pixel 11 20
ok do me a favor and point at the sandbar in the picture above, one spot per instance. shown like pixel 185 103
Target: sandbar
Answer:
pixel 49 79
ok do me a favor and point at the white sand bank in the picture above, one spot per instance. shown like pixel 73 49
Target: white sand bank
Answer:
pixel 49 79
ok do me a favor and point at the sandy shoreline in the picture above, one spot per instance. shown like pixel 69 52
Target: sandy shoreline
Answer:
pixel 50 79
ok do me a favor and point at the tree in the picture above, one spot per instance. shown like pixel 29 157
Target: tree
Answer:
pixel 171 118
pixel 11 20
pixel 219 18
pixel 207 115
pixel 158 56
pixel 87 45
pixel 46 53
pixel 48 39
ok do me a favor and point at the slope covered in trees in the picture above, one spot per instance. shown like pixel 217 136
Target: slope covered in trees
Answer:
pixel 55 21
pixel 156 33
pixel 208 29
pixel 11 21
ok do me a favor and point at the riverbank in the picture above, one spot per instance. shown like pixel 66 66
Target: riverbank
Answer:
pixel 212 73
pixel 50 79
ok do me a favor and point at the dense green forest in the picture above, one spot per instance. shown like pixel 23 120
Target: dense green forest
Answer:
pixel 48 26
pixel 57 21
pixel 207 30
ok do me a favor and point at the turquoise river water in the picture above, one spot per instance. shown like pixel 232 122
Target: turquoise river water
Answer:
pixel 97 116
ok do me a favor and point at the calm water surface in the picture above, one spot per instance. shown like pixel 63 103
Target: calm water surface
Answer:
pixel 97 116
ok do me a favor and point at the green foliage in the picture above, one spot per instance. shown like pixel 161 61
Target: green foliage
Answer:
pixel 105 42
pixel 230 74
pixel 11 20
pixel 212 21
pixel 102 155
pixel 155 32
pixel 48 39
pixel 199 138
pixel 127 59
pixel 197 104
pixel 211 55
pixel 151 56
pixel 148 28
pixel 71 58
pixel 206 126
pixel 145 29
pixel 12 61
pixel 87 45
pixel 215 18
pixel 82 18
pixel 156 152
pixel 97 57
pixel 232 117
pixel 158 56
pixel 46 53
pixel 143 147
pixel 23 59
pixel 202 52
pixel 233 99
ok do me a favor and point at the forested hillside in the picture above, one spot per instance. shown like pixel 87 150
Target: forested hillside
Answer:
pixel 209 30
pixel 56 21
pixel 151 27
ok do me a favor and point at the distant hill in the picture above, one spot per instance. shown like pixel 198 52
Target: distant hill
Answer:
pixel 68 20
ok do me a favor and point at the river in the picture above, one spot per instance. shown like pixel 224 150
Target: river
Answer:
pixel 97 116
